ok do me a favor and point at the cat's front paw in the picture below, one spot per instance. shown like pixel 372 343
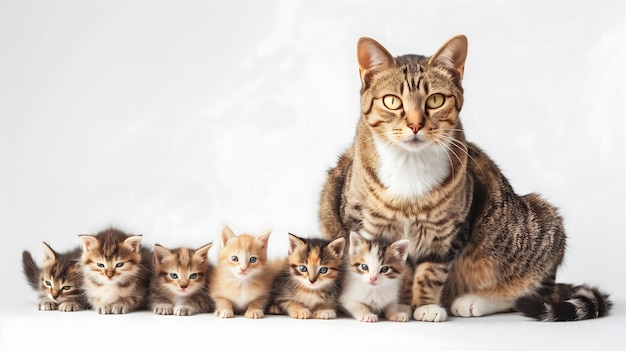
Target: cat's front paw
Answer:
pixel 273 309
pixel 430 313
pixel 47 306
pixel 164 309
pixel 115 308
pixel 184 311
pixel 254 314
pixel 69 307
pixel 476 306
pixel 325 314
pixel 368 318
pixel 224 313
pixel 300 313
pixel 399 317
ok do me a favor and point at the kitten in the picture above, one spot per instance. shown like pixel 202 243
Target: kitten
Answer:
pixel 477 246
pixel 243 275
pixel 179 283
pixel 116 271
pixel 377 273
pixel 309 283
pixel 58 281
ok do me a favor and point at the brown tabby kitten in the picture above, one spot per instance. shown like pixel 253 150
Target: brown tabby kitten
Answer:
pixel 410 173
pixel 58 282
pixel 116 271
pixel 243 275
pixel 309 284
pixel 378 280
pixel 179 283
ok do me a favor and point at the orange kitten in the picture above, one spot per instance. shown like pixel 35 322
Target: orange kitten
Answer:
pixel 243 276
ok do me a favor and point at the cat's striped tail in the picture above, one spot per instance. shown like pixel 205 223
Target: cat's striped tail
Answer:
pixel 570 303
pixel 31 270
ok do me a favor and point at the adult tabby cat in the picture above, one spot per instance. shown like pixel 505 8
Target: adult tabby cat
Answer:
pixel 179 283
pixel 410 173
pixel 116 271
pixel 308 286
pixel 58 281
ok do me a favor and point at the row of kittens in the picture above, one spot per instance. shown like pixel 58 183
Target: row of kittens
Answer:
pixel 114 273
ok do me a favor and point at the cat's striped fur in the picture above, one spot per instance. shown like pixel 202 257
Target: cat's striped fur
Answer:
pixel 410 173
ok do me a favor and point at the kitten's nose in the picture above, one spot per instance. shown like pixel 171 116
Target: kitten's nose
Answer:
pixel 110 274
pixel 55 293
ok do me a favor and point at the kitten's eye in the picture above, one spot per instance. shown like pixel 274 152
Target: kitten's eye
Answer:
pixel 384 269
pixel 100 265
pixel 252 259
pixel 119 264
pixel 193 276
pixel 323 270
pixel 303 268
pixel 67 287
pixel 364 267
pixel 48 283
pixel 234 258
pixel 173 275
pixel 435 101
pixel 392 102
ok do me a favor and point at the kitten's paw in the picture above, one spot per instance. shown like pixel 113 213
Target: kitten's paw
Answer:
pixel 164 310
pixel 47 306
pixel 300 313
pixel 184 311
pixel 325 314
pixel 399 317
pixel 273 309
pixel 224 313
pixel 69 307
pixel 254 314
pixel 477 306
pixel 368 318
pixel 113 309
pixel 430 313
pixel 405 308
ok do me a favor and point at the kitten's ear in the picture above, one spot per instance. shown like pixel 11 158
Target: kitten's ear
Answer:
pixel 401 248
pixel 133 243
pixel 372 58
pixel 452 54
pixel 264 237
pixel 294 242
pixel 203 252
pixel 227 234
pixel 49 256
pixel 337 246
pixel 160 253
pixel 89 242
pixel 356 240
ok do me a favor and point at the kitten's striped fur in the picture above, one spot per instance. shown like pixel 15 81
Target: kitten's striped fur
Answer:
pixel 309 284
pixel 58 281
pixel 116 271
pixel 180 281
pixel 410 173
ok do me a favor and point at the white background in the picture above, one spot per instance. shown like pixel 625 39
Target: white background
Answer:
pixel 173 118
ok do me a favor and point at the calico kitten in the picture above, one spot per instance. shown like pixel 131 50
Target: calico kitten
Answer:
pixel 309 283
pixel 116 271
pixel 478 247
pixel 378 280
pixel 243 275
pixel 58 281
pixel 179 283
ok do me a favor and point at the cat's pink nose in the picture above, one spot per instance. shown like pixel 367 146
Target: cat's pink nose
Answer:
pixel 415 128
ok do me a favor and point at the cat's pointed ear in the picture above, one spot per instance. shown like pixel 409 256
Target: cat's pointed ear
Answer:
pixel 337 246
pixel 294 242
pixel 160 253
pixel 356 240
pixel 133 242
pixel 227 234
pixel 451 55
pixel 49 256
pixel 264 237
pixel 372 58
pixel 203 252
pixel 401 248
pixel 89 242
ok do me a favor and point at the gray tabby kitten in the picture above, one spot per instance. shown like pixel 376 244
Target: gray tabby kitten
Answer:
pixel 478 246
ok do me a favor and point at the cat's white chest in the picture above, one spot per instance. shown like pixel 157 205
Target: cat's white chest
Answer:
pixel 356 289
pixel 412 174
pixel 106 294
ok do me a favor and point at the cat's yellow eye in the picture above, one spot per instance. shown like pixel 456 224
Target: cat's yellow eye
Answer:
pixel 435 101
pixel 392 102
